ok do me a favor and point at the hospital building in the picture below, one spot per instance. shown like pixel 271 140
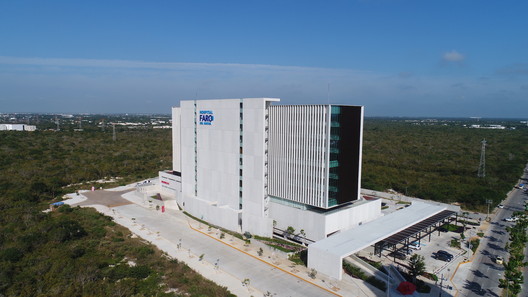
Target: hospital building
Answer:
pixel 253 165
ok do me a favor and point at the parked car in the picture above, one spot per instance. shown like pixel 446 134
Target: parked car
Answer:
pixel 415 245
pixel 499 260
pixel 398 255
pixel 501 206
pixel 443 255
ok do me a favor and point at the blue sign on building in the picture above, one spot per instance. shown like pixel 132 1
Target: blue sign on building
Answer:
pixel 206 117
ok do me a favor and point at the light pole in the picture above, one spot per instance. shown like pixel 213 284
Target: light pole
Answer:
pixel 441 285
pixel 388 280
pixel 488 202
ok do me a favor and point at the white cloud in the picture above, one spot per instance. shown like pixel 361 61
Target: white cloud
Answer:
pixel 83 85
pixel 453 56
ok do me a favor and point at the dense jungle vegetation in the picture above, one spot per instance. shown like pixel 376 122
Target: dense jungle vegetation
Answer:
pixel 76 252
pixel 440 160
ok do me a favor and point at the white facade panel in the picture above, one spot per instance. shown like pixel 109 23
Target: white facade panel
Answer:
pixel 298 155
pixel 176 141
pixel 223 145
pixel 254 195
pixel 187 148
pixel 218 148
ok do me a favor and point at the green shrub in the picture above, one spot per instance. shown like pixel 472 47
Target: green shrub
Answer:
pixel 474 244
pixel 358 273
pixel 144 251
pixel 11 254
pixel 454 243
pixel 139 272
pixel 66 229
pixel 77 252
pixel 300 258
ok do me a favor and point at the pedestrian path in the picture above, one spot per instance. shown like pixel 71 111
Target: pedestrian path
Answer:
pixel 228 261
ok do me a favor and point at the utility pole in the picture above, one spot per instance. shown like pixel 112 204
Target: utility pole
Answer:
pixel 482 165
pixel 57 122
pixel 114 138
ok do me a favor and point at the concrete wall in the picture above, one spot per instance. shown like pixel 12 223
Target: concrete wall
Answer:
pixel 169 185
pixel 318 226
pixel 224 217
pixel 325 262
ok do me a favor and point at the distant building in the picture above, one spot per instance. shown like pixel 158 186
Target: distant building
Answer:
pixel 496 127
pixel 17 127
pixel 250 166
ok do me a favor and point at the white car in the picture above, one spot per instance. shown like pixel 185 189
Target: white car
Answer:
pixel 500 206
pixel 499 260
pixel 415 245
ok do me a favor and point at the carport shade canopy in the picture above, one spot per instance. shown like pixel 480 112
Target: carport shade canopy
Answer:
pixel 327 254
pixel 418 227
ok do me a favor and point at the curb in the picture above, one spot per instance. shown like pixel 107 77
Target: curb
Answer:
pixel 276 267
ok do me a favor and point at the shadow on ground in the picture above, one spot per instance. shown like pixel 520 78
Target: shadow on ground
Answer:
pixel 474 287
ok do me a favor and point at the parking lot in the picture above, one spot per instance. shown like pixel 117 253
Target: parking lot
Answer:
pixel 439 241
pixel 445 268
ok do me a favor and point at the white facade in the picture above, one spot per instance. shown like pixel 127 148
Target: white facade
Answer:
pixel 319 225
pixel 298 153
pixel 236 156
pixel 17 127
pixel 222 155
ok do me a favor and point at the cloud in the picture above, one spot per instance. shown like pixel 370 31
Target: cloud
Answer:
pixel 453 56
pixel 117 86
pixel 126 64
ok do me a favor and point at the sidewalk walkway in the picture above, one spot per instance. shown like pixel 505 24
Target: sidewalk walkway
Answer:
pixel 227 261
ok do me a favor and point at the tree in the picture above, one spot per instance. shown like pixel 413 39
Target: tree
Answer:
pixel 290 231
pixel 416 266
pixel 312 273
pixel 303 234
pixel 246 283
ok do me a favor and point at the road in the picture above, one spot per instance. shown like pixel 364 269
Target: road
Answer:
pixel 485 273
pixel 524 291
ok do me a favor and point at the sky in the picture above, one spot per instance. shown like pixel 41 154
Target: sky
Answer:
pixel 402 58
